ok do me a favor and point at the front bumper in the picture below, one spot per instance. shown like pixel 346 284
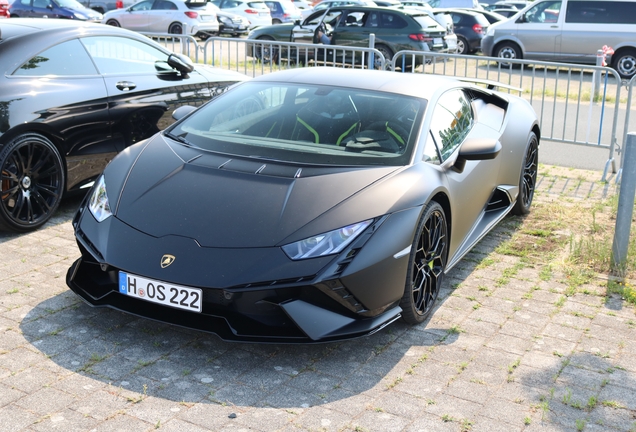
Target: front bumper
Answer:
pixel 248 295
pixel 487 43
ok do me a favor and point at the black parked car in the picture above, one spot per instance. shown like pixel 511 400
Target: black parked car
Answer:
pixel 470 28
pixel 74 94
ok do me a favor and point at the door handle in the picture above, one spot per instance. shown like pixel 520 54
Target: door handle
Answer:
pixel 126 85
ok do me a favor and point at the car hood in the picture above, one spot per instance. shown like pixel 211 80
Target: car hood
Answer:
pixel 233 203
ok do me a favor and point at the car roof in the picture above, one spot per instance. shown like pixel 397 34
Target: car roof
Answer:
pixel 20 26
pixel 416 85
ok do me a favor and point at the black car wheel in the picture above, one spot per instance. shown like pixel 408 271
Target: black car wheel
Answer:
pixel 528 181
pixel 114 23
pixel 426 266
pixel 31 182
pixel 388 56
pixel 462 45
pixel 175 28
pixel 265 52
pixel 508 50
pixel 625 63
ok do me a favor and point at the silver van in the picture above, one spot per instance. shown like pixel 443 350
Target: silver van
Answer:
pixel 569 31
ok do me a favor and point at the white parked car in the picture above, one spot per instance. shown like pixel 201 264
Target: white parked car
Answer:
pixel 256 11
pixel 166 16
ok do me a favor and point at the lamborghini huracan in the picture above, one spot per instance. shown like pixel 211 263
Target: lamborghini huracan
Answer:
pixel 307 205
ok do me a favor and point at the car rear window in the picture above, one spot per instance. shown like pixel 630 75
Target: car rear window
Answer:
pixel 426 21
pixel 258 5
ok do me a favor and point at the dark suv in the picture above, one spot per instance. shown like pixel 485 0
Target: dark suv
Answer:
pixel 351 26
pixel 470 28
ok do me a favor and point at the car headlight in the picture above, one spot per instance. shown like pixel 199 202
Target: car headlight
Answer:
pixel 328 243
pixel 98 203
pixel 225 21
pixel 80 16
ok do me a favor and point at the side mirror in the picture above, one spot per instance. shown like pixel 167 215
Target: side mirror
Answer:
pixel 49 6
pixel 181 63
pixel 476 149
pixel 182 111
pixel 297 22
pixel 522 19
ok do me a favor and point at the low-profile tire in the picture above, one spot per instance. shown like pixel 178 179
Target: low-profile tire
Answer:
pixel 31 182
pixel 528 178
pixel 175 28
pixel 624 62
pixel 427 262
pixel 388 56
pixel 462 45
pixel 508 50
pixel 114 23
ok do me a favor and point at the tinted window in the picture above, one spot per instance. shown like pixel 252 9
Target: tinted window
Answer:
pixel 68 58
pixel 164 5
pixel 452 120
pixel 601 12
pixel 120 55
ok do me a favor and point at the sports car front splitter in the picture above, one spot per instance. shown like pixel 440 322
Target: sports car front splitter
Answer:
pixel 296 314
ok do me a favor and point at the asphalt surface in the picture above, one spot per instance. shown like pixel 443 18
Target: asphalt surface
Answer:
pixel 503 351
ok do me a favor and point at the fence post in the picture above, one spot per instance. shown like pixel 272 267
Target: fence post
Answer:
pixel 600 56
pixel 372 54
pixel 627 193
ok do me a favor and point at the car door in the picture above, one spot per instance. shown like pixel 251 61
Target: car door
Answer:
pixel 452 122
pixel 137 17
pixel 539 29
pixel 304 32
pixel 161 16
pixel 71 104
pixel 142 89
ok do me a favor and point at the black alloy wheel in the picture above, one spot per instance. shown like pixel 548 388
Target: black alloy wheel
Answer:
pixel 426 266
pixel 175 28
pixel 528 181
pixel 31 182
pixel 264 51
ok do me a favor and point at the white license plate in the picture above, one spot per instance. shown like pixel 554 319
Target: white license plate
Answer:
pixel 160 292
pixel 205 17
pixel 437 41
pixel 241 27
pixel 263 13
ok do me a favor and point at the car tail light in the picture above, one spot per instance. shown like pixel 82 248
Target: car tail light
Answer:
pixel 420 37
pixel 286 15
pixel 477 28
pixel 251 11
pixel 191 14
pixel 119 4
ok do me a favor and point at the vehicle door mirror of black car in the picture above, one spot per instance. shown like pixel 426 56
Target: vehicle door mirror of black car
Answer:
pixel 476 149
pixel 297 22
pixel 182 111
pixel 181 63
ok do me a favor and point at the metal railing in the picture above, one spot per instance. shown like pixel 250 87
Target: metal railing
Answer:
pixel 576 104
pixel 630 104
pixel 255 57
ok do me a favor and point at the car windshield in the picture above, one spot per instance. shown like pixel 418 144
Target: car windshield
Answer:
pixel 311 124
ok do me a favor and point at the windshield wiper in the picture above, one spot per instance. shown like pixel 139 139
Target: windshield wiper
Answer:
pixel 180 139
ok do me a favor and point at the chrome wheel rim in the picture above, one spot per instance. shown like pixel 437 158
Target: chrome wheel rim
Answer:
pixel 627 65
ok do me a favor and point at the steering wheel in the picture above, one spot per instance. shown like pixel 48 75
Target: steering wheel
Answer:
pixel 322 27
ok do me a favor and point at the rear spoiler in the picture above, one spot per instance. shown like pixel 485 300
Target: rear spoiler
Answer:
pixel 491 85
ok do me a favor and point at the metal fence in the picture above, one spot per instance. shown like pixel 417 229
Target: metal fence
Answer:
pixel 630 104
pixel 576 104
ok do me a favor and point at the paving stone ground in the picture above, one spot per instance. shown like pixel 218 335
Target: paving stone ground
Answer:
pixel 514 356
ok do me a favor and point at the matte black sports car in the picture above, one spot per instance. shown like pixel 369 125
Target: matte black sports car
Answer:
pixel 292 209
pixel 72 95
